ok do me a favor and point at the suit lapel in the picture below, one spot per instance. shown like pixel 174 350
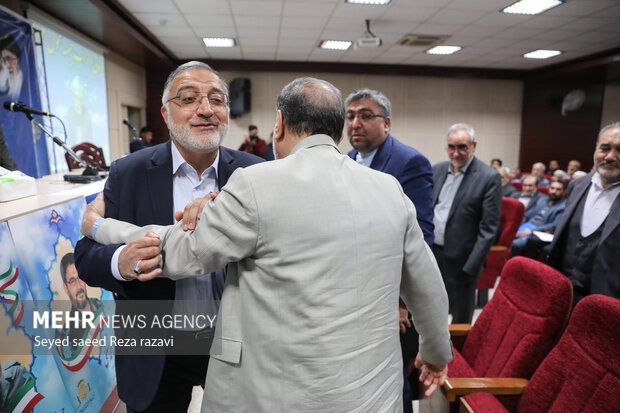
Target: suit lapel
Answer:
pixel 384 151
pixel 226 166
pixel 440 178
pixel 470 176
pixel 159 184
pixel 613 219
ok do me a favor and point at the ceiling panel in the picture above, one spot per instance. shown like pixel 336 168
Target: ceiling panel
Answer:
pixel 292 29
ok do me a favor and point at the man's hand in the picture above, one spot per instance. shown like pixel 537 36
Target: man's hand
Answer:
pixel 143 255
pixel 403 317
pixel 193 210
pixel 524 233
pixel 432 376
pixel 94 211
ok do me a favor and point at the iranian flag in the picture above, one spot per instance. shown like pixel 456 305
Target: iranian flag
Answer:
pixel 80 356
pixel 25 399
pixel 10 296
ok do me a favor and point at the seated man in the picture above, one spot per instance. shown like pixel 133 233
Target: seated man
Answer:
pixel 544 216
pixel 528 195
pixel 514 175
pixel 507 189
pixel 538 170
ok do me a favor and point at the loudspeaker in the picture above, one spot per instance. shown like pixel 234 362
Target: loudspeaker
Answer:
pixel 240 97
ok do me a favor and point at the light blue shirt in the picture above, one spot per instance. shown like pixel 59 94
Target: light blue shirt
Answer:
pixel 366 158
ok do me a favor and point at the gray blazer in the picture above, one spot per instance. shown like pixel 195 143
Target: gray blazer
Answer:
pixel 473 220
pixel 319 250
pixel 606 269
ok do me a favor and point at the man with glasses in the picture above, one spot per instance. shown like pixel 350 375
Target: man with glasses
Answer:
pixel 367 123
pixel 468 203
pixel 146 188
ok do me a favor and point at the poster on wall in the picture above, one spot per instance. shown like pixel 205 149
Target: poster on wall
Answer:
pixel 18 83
pixel 59 366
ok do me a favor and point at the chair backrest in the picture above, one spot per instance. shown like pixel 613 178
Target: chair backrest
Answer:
pixel 520 324
pixel 511 218
pixel 582 372
pixel 543 189
pixel 518 185
pixel 87 152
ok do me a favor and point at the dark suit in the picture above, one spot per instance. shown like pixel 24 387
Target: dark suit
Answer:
pixel 471 227
pixel 508 190
pixel 139 190
pixel 414 173
pixel 533 200
pixel 6 161
pixel 606 269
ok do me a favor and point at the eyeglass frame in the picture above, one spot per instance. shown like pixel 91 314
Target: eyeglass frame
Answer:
pixel 199 101
pixel 462 148
pixel 360 114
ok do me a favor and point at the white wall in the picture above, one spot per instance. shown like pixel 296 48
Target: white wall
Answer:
pixel 422 109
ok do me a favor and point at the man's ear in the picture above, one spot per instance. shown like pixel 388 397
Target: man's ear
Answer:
pixel 66 289
pixel 387 122
pixel 164 114
pixel 278 129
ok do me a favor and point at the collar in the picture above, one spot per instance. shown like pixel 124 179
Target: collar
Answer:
pixel 596 181
pixel 314 140
pixel 366 155
pixel 178 161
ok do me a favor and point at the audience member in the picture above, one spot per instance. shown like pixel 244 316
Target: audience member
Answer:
pixel 146 188
pixel 309 311
pixel 578 174
pixel 554 165
pixel 496 163
pixel 468 203
pixel 368 122
pixel 507 189
pixel 514 175
pixel 253 143
pixel 585 245
pixel 560 174
pixel 529 195
pixel 146 140
pixel 573 166
pixel 538 170
pixel 544 216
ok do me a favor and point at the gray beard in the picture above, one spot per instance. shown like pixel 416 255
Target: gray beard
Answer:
pixel 194 143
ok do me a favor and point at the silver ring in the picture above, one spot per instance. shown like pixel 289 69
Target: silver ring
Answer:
pixel 136 268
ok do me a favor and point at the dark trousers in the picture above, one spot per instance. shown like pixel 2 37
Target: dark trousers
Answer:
pixel 180 375
pixel 461 289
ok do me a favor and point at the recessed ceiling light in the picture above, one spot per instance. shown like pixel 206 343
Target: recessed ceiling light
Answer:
pixel 373 2
pixel 219 42
pixel 335 44
pixel 542 54
pixel 443 49
pixel 531 6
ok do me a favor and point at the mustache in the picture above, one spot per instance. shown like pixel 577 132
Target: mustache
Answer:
pixel 606 162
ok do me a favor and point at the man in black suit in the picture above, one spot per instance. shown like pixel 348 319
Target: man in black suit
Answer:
pixel 529 194
pixel 585 244
pixel 468 202
pixel 146 188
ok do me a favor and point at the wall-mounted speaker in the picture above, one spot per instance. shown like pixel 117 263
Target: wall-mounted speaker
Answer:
pixel 240 97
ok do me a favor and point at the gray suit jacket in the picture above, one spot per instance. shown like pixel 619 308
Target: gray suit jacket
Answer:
pixel 319 250
pixel 473 220
pixel 606 269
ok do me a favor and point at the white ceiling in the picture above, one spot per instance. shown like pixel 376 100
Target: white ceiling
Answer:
pixel 290 30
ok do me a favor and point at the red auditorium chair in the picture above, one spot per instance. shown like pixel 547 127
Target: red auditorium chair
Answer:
pixel 513 334
pixel 511 218
pixel 581 373
pixel 543 190
pixel 87 152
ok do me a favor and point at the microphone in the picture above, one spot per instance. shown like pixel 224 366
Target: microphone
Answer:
pixel 133 130
pixel 21 107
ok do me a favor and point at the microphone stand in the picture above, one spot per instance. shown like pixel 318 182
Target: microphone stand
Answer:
pixel 90 172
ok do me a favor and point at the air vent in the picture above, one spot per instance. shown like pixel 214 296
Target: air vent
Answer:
pixel 421 40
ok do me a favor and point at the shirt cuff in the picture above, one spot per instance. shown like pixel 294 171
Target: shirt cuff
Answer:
pixel 95 228
pixel 114 264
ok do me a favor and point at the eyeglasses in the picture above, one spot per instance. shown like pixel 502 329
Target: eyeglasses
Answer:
pixel 8 59
pixel 192 99
pixel 364 116
pixel 460 148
